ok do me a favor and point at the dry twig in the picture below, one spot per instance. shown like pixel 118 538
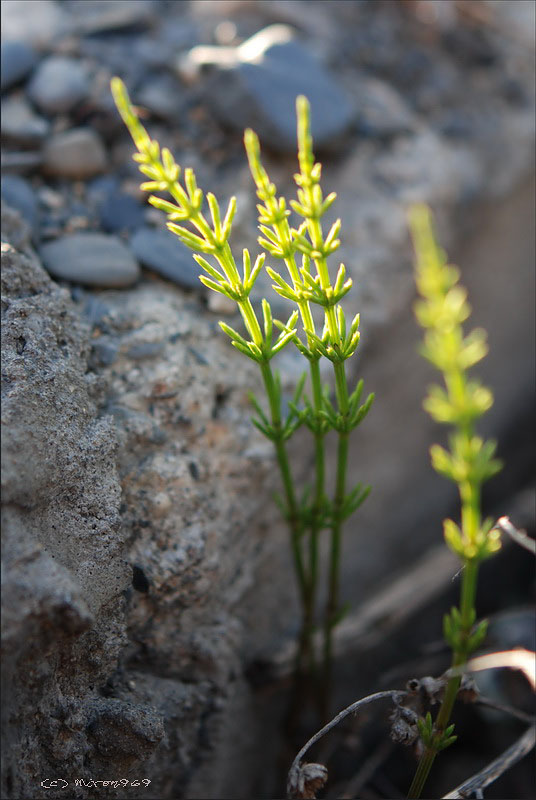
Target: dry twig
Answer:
pixel 519 658
pixel 298 775
pixel 497 767
pixel 517 536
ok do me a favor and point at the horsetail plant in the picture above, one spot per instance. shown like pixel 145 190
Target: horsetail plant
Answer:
pixel 306 516
pixel 469 463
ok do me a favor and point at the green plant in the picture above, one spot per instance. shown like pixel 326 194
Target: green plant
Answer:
pixel 469 463
pixel 307 515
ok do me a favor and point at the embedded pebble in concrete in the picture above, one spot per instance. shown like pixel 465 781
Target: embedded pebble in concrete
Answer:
pixel 77 154
pixel 19 194
pixel 59 84
pixel 103 352
pixel 92 259
pixel 17 60
pixel 20 124
pixel 163 252
pixel 256 84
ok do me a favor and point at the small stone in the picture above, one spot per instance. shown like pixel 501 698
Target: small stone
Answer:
pixel 17 61
pixel 142 350
pixel 76 154
pixel 19 194
pixel 92 259
pixel 119 212
pixel 37 22
pixel 103 353
pixel 21 162
pixel 163 252
pixel 59 84
pixel 256 85
pixel 20 125
pixel 96 16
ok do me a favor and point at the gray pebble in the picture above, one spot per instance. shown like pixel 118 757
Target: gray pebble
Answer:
pixel 77 154
pixel 103 353
pixel 119 212
pixel 19 194
pixel 163 252
pixel 59 84
pixel 94 16
pixel 37 22
pixel 20 125
pixel 92 259
pixel 142 350
pixel 256 85
pixel 17 60
pixel 21 162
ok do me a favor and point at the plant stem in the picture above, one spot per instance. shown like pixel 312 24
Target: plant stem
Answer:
pixel 294 521
pixel 467 604
pixel 332 607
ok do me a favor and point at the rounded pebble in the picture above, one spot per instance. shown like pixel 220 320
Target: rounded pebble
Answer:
pixel 19 194
pixel 77 154
pixel 21 125
pixel 119 212
pixel 59 84
pixel 256 85
pixel 92 259
pixel 163 252
pixel 38 22
pixel 17 60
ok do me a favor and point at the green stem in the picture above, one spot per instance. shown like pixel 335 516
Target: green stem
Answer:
pixel 467 604
pixel 293 518
pixel 332 606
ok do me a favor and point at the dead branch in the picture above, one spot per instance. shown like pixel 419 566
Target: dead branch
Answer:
pixel 497 767
pixel 517 536
pixel 518 658
pixel 298 774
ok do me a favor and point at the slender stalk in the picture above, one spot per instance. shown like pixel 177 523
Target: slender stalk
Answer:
pixel 467 603
pixel 469 463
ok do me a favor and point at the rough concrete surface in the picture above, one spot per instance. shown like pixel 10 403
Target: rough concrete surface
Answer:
pixel 145 566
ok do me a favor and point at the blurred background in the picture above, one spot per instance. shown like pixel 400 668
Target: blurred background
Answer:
pixel 412 100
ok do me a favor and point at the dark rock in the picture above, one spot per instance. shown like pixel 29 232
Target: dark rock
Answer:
pixel 119 212
pixel 103 353
pixel 95 16
pixel 142 350
pixel 17 61
pixel 20 125
pixel 59 84
pixel 20 195
pixel 472 46
pixel 21 162
pixel 92 259
pixel 256 85
pixel 76 154
pixel 163 252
